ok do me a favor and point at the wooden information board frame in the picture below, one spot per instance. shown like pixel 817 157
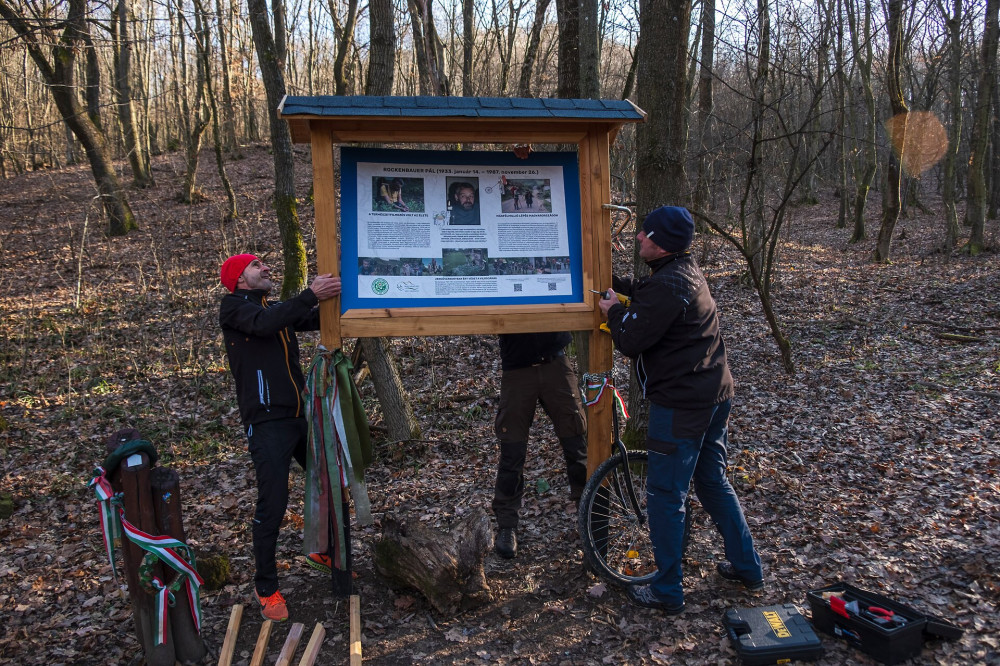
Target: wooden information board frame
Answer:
pixel 591 125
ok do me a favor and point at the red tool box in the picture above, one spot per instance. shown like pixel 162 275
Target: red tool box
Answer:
pixel 887 630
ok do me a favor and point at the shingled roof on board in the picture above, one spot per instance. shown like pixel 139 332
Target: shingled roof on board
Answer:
pixel 460 107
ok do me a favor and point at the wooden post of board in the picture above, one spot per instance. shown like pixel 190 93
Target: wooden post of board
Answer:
pixel 595 191
pixel 355 630
pixel 327 238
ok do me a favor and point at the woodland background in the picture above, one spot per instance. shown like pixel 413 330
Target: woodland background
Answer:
pixel 841 157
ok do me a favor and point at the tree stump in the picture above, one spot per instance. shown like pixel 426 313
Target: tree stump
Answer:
pixel 446 567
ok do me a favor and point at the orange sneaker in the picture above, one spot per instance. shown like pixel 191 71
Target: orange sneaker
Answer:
pixel 320 562
pixel 273 607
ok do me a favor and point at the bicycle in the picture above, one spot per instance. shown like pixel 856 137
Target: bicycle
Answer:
pixel 613 519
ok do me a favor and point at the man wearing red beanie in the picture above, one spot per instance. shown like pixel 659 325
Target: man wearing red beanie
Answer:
pixel 263 357
pixel 671 332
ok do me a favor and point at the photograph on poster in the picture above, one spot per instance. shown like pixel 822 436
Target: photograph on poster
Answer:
pixel 422 228
pixel 397 195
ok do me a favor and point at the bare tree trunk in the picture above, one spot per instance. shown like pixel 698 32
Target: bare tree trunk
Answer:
pixel 468 47
pixel 121 40
pixel 204 52
pixel 382 54
pixel 400 421
pixel 196 119
pixel 661 142
pixel 706 102
pixel 428 48
pixel 752 202
pixel 59 76
pixel 975 210
pixel 590 55
pixel 568 13
pixel 345 40
pixel 531 52
pixel 865 175
pixel 229 141
pixel 949 193
pixel 844 207
pixel 285 205
pixel 891 199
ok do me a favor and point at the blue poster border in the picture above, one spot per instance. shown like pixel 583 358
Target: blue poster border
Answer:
pixel 350 157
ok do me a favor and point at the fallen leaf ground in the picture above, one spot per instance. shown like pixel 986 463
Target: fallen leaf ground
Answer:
pixel 876 463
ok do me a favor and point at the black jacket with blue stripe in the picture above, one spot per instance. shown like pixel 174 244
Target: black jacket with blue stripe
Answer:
pixel 263 351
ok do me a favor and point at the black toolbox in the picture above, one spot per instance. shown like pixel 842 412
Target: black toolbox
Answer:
pixel 771 635
pixel 889 637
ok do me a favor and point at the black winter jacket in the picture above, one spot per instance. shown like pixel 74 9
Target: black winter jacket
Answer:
pixel 264 353
pixel 671 331
pixel 521 350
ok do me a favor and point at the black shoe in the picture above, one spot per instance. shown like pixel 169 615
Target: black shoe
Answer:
pixel 726 570
pixel 506 542
pixel 641 595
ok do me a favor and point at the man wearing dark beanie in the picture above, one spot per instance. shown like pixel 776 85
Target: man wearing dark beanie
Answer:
pixel 263 357
pixel 670 330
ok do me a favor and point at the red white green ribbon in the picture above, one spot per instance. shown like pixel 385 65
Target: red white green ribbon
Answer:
pixel 592 384
pixel 165 548
pixel 110 527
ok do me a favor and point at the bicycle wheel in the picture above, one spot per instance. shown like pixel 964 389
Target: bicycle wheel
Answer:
pixel 616 544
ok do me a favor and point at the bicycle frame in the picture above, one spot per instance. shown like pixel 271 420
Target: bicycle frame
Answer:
pixel 630 488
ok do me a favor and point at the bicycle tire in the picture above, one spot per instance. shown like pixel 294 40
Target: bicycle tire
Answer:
pixel 616 546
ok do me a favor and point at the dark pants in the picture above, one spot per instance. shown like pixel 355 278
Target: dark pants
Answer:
pixel 689 451
pixel 554 385
pixel 272 444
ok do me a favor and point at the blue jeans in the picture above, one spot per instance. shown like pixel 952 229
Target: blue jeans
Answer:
pixel 702 458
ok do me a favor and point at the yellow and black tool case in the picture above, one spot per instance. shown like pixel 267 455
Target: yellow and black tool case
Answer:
pixel 771 635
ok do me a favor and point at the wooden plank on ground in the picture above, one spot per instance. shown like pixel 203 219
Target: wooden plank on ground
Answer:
pixel 355 630
pixel 229 644
pixel 260 650
pixel 315 643
pixel 292 642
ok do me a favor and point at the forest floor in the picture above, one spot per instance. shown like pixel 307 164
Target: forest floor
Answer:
pixel 876 463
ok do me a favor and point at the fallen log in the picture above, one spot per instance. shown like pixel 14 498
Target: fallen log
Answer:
pixel 447 568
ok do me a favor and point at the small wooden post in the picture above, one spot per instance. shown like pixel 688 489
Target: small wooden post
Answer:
pixel 133 479
pixel 165 488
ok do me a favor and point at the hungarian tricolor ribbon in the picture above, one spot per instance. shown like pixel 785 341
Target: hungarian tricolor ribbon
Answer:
pixel 110 528
pixel 599 383
pixel 165 548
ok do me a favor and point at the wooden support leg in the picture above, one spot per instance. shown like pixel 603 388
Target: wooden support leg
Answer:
pixel 229 644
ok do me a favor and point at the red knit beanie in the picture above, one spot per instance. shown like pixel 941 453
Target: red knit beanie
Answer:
pixel 232 269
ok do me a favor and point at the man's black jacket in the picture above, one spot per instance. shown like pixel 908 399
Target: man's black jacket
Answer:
pixel 671 331
pixel 264 353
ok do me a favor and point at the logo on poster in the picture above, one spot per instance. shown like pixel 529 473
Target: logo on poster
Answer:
pixel 380 286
